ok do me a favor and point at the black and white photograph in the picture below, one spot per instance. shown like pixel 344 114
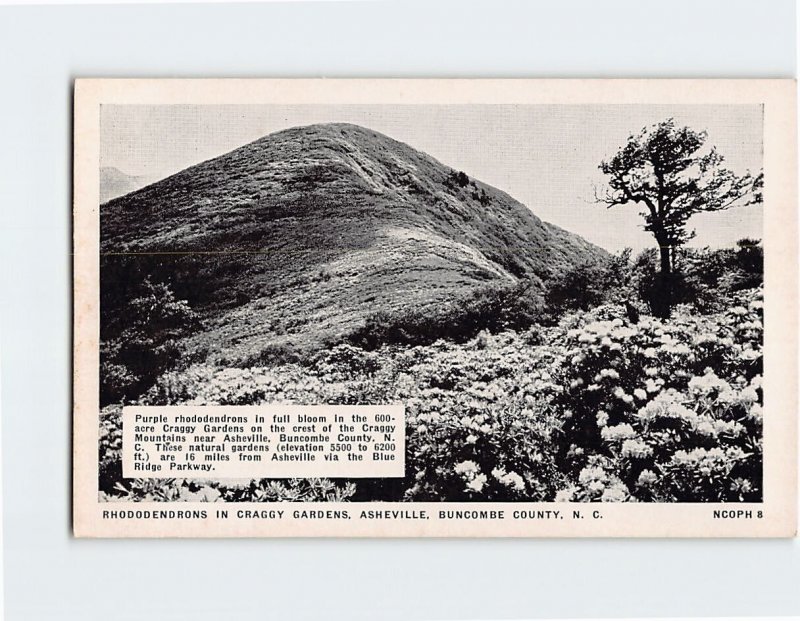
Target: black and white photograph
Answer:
pixel 566 299
pixel 425 308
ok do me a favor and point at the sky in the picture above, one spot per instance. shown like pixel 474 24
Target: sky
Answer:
pixel 545 156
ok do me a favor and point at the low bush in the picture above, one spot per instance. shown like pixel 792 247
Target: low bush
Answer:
pixel 702 277
pixel 491 308
pixel 146 345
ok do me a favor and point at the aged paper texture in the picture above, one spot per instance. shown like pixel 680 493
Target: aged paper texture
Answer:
pixel 445 308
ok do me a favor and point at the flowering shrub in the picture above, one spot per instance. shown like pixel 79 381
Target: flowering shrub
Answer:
pixel 643 405
pixel 592 409
pixel 260 490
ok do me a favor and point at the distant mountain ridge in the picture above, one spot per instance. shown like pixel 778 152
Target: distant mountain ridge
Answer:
pixel 115 183
pixel 298 236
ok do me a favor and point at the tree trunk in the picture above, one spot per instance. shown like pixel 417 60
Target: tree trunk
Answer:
pixel 666 258
pixel 662 300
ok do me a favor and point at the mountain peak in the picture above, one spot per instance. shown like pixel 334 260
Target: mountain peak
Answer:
pixel 329 222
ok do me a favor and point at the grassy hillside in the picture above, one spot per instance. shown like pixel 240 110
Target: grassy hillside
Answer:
pixel 296 238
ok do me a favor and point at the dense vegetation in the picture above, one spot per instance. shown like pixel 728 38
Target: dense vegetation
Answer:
pixel 569 395
pixel 144 342
pixel 487 308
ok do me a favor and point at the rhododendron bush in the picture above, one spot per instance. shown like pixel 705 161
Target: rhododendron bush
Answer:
pixel 664 410
pixel 595 408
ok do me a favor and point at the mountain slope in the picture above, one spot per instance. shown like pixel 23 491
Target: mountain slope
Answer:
pixel 300 235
